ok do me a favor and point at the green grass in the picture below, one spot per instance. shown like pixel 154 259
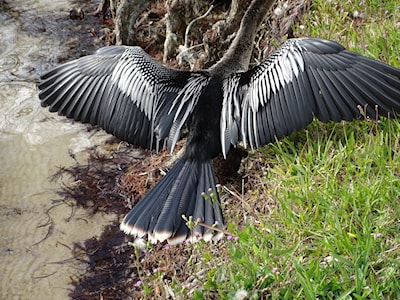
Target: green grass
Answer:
pixel 376 34
pixel 338 213
pixel 332 228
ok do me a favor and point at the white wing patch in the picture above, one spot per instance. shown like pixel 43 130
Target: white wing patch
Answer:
pixel 133 80
pixel 230 115
pixel 242 102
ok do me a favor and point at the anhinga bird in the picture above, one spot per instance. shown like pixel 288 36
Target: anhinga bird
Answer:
pixel 140 101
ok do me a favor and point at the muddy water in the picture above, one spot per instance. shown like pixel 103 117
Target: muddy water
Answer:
pixel 36 230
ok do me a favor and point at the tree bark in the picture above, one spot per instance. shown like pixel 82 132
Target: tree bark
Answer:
pixel 125 13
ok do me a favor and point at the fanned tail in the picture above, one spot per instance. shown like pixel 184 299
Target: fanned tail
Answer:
pixel 188 191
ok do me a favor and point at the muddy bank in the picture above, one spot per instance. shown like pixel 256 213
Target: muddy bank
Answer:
pixel 38 228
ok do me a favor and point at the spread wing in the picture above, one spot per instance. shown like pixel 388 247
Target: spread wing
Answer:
pixel 304 78
pixel 125 92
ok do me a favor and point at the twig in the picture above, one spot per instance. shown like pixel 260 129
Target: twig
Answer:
pixel 192 22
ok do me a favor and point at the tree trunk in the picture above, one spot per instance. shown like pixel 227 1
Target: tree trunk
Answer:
pixel 124 13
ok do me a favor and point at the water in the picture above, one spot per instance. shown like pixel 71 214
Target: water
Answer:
pixel 36 232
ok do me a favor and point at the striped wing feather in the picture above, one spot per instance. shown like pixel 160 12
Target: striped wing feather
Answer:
pixel 305 78
pixel 121 89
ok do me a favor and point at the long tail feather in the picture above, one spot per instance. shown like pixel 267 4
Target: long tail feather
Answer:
pixel 187 192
